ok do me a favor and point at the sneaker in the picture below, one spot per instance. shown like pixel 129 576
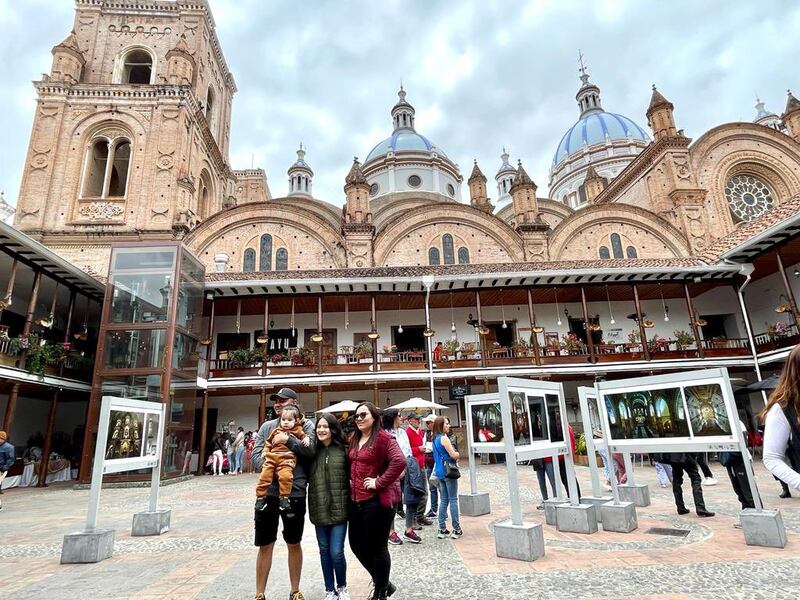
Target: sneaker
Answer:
pixel 737 525
pixel 331 595
pixel 412 537
pixel 425 521
pixel 296 596
pixel 284 504
pixel 401 513
pixel 416 527
pixel 663 485
pixel 705 513
pixel 710 481
pixel 342 593
pixel 394 539
pixel 442 533
pixel 683 511
pixel 540 507
pixel 430 514
pixel 390 589
pixel 457 533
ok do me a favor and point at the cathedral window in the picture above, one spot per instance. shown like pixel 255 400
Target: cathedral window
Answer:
pixel 265 259
pixel 106 169
pixel 616 245
pixel 137 67
pixel 433 256
pixel 604 253
pixel 463 255
pixel 582 193
pixel 448 250
pixel 374 189
pixel 205 195
pixel 748 197
pixel 630 252
pixel 210 106
pixel 451 190
pixel 281 260
pixel 249 261
pixel 415 181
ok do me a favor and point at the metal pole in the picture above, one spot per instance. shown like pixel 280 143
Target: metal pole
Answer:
pixel 374 317
pixel 589 340
pixel 693 321
pixel 511 456
pixel 642 335
pixel 750 337
pixel 534 336
pixel 481 337
pixel 319 330
pixel 786 285
pixel 203 433
pixel 430 339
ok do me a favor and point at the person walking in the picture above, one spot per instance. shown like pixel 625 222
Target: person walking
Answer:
pixel 391 421
pixel 238 451
pixel 416 438
pixel 663 472
pixel 685 463
pixel 376 463
pixel 267 509
pixel 7 458
pixel 708 476
pixel 544 467
pixel 328 492
pixel 429 464
pixel 781 426
pixel 443 451
pixel 217 449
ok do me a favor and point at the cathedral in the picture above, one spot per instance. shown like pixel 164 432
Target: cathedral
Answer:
pixel 634 258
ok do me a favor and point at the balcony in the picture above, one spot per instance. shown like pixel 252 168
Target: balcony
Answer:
pixel 777 337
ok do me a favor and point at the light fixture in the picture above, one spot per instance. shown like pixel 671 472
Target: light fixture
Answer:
pixel 373 333
pixel 428 332
pixel 503 310
pixel 272 323
pixel 238 315
pixel 537 329
pixel 796 272
pixel 663 304
pixel 648 324
pixel 5 302
pixel 83 334
pixel 452 316
pixel 400 324
pixel 558 312
pixel 291 320
pixel 594 327
pixel 205 341
pixel 262 338
pixel 346 314
pixel 48 321
pixel 608 299
pixel 784 307
pixel 484 330
pixel 317 337
pixel 699 322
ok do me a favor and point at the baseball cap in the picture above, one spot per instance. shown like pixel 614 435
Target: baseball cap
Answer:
pixel 412 415
pixel 430 418
pixel 284 394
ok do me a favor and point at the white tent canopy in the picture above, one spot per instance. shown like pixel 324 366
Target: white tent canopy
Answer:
pixel 340 407
pixel 417 403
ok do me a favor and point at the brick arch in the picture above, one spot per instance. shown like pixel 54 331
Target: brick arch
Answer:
pixel 577 237
pixel 311 240
pixel 743 148
pixel 486 235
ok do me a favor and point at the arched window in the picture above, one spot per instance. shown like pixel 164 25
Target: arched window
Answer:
pixel 448 250
pixel 205 196
pixel 582 193
pixel 210 106
pixel 265 258
pixel 604 253
pixel 249 260
pixel 463 255
pixel 106 170
pixel 616 246
pixel 281 260
pixel 137 68
pixel 433 256
pixel 630 252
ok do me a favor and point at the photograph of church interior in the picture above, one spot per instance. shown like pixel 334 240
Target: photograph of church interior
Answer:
pixel 141 263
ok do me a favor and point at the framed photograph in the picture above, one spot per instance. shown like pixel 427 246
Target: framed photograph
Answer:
pixel 520 419
pixel 555 425
pixel 707 412
pixel 538 415
pixel 125 432
pixel 656 413
pixel 133 431
pixel 487 423
pixel 594 417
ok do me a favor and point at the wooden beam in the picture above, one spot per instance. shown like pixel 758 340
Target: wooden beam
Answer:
pixel 642 334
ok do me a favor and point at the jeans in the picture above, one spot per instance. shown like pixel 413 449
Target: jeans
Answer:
pixel 448 496
pixel 697 490
pixel 664 473
pixel 239 455
pixel 230 460
pixel 604 456
pixel 370 524
pixel 330 539
pixel 421 505
pixel 434 491
pixel 547 467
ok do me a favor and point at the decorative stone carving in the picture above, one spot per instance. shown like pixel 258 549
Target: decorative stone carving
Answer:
pixel 165 162
pixel 681 164
pixel 101 211
pixel 40 160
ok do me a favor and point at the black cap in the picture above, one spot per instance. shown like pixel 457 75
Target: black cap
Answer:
pixel 284 394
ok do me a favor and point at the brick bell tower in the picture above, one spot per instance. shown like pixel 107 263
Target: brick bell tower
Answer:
pixel 131 132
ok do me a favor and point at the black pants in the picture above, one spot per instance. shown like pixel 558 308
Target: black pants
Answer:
pixel 370 524
pixel 701 462
pixel 738 477
pixel 562 470
pixel 691 470
pixel 420 515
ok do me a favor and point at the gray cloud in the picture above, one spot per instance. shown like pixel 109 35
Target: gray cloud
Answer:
pixel 481 75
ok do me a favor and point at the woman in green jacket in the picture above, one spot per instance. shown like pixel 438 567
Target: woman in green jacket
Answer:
pixel 328 492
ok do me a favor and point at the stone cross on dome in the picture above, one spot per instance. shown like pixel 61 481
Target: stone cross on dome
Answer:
pixel 583 68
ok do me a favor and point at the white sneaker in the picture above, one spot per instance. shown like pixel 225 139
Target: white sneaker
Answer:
pixel 331 595
pixel 710 481
pixel 343 595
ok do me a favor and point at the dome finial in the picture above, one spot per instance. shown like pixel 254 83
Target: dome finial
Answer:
pixel 583 68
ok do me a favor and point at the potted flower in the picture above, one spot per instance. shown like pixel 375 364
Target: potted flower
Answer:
pixel 39 353
pixel 363 350
pixel 553 345
pixel 277 358
pixel 571 343
pixel 449 349
pixel 245 357
pixel 520 348
pixel 656 343
pixel 683 339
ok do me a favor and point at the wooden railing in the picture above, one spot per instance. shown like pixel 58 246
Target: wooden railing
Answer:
pixel 775 340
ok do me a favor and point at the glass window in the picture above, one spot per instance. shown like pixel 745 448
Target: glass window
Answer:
pixel 184 354
pixel 582 193
pixel 140 298
pixel 447 249
pixel 748 197
pixel 265 260
pixel 415 181
pixel 138 68
pixel 249 265
pixel 433 256
pixel 96 170
pixel 451 190
pixel 135 349
pixel 139 387
pixel 374 189
pixel 118 181
pixel 604 253
pixel 135 259
pixel 630 252
pixel 463 256
pixel 281 260
pixel 616 245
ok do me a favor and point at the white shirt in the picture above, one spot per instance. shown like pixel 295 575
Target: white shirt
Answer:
pixel 776 440
pixel 402 440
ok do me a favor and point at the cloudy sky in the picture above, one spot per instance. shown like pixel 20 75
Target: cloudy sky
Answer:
pixel 481 75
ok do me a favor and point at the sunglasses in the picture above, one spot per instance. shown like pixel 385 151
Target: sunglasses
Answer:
pixel 361 416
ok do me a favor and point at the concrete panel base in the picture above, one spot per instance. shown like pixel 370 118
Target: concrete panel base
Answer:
pixel 520 542
pixel 550 509
pixel 474 505
pixel 597 501
pixel 763 528
pixel 151 523
pixel 576 519
pixel 639 494
pixel 619 517
pixel 87 547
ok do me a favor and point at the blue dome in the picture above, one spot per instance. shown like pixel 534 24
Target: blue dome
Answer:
pixel 593 128
pixel 403 140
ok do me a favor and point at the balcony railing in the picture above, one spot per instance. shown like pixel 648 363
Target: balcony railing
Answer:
pixel 785 337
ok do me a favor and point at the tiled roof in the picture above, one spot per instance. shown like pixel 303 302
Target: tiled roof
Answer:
pixel 747 231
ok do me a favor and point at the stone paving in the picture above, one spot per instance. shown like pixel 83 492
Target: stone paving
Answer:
pixel 208 552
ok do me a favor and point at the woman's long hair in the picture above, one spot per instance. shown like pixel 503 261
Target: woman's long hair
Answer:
pixel 788 390
pixel 337 438
pixel 438 425
pixel 376 425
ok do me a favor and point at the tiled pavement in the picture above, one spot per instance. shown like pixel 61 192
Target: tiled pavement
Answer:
pixel 208 552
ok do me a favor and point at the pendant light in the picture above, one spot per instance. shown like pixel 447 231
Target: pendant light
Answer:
pixel 50 318
pixel 5 301
pixel 238 315
pixel 83 334
pixel 558 312
pixel 346 314
pixel 503 310
pixel 663 304
pixel 610 312
pixel 452 316
pixel 291 320
pixel 399 320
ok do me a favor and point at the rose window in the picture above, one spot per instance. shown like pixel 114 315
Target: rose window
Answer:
pixel 748 197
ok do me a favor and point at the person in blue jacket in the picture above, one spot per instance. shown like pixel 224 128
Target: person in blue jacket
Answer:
pixel 6 459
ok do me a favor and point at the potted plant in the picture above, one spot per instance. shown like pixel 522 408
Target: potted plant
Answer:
pixel 553 345
pixel 656 343
pixel 244 357
pixel 277 358
pixel 571 343
pixel 683 339
pixel 363 350
pixel 39 352
pixel 520 348
pixel 449 349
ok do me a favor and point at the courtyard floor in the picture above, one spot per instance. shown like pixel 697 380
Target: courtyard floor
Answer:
pixel 208 552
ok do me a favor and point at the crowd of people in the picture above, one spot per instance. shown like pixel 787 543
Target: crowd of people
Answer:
pixel 231 452
pixel 353 481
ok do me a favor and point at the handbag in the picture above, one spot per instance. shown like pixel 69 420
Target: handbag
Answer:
pixel 451 470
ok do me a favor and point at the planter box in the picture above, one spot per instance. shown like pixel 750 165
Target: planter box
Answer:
pixel 581 459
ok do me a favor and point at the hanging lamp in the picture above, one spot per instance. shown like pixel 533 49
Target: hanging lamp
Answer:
pixel 48 321
pixel 558 312
pixel 346 314
pixel 503 310
pixel 399 320
pixel 663 304
pixel 610 312
pixel 452 315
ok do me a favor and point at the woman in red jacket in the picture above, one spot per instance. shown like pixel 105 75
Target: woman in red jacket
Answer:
pixel 376 463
